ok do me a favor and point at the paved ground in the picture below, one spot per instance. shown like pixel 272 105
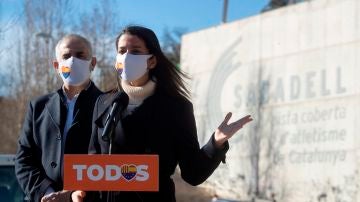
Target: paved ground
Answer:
pixel 186 192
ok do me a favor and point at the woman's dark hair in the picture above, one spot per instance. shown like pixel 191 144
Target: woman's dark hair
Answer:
pixel 167 76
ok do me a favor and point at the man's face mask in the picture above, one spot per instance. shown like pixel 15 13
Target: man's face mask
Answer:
pixel 131 67
pixel 74 71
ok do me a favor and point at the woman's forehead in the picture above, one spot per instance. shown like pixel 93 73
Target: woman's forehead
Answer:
pixel 130 40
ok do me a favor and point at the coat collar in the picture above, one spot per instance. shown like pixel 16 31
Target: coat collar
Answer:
pixel 104 105
pixel 105 101
pixel 58 99
pixel 54 110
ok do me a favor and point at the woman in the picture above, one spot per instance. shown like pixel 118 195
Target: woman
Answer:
pixel 159 118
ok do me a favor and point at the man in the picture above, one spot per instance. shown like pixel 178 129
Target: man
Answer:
pixel 58 123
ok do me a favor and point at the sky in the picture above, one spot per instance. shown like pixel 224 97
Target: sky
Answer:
pixel 158 15
pixel 192 15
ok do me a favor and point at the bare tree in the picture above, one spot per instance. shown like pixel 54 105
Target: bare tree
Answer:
pixel 172 44
pixel 102 32
pixel 32 73
pixel 263 144
pixel 6 25
pixel 274 4
pixel 43 26
pixel 256 137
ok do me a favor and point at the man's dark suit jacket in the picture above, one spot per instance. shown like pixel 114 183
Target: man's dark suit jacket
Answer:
pixel 38 162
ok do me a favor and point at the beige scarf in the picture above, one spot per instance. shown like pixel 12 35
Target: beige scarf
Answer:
pixel 137 94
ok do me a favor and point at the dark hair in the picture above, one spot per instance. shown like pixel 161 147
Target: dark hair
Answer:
pixel 168 77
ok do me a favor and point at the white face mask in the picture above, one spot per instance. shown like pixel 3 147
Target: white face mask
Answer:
pixel 131 67
pixel 74 71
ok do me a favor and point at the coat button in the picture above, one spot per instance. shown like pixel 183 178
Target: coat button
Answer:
pixel 53 164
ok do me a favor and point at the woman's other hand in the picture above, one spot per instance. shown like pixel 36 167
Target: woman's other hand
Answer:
pixel 225 131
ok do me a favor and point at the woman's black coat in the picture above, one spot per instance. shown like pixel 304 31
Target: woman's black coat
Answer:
pixel 162 125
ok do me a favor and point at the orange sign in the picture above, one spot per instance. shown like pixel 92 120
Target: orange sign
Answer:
pixel 111 172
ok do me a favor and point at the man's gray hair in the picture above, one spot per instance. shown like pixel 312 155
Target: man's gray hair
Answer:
pixel 69 36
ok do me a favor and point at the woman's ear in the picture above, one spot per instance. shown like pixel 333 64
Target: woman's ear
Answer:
pixel 152 62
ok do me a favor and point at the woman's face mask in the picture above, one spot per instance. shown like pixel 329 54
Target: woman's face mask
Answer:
pixel 131 67
pixel 74 71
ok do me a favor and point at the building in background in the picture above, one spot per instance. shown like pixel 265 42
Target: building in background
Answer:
pixel 294 69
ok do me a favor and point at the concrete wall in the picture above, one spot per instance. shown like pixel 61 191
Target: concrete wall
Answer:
pixel 295 70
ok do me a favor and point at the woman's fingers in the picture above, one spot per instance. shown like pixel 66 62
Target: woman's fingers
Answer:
pixel 226 120
pixel 244 120
pixel 236 124
pixel 225 131
pixel 241 122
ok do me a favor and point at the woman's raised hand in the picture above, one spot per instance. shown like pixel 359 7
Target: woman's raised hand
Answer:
pixel 225 131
